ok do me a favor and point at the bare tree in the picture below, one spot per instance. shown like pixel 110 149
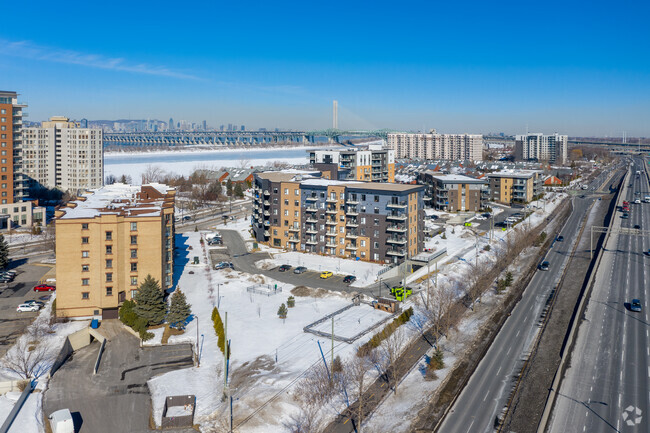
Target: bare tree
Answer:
pixel 110 179
pixel 152 173
pixel 389 352
pixel 28 359
pixel 356 371
pixel 244 163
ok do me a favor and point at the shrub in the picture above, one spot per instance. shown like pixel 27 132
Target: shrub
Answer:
pixel 337 366
pixel 282 311
pixel 437 362
pixel 388 330
pixel 509 279
pixel 219 330
pixel 487 248
pixel 291 302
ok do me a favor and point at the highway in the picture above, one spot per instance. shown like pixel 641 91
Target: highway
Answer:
pixel 606 388
pixel 486 393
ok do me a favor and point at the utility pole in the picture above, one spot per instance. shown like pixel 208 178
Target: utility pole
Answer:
pixel 428 280
pixel 225 357
pixel 332 364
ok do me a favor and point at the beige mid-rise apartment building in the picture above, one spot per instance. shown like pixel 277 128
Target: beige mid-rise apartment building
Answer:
pixel 509 187
pixel 371 163
pixel 60 154
pixel 107 242
pixel 436 146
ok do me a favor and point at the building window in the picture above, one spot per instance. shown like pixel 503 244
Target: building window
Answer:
pixel 109 249
pixel 134 227
pixel 376 210
pixel 134 254
pixel 85 295
pixel 109 263
pixel 134 267
pixel 109 277
pixel 84 240
pixel 134 281
pixel 84 226
pixel 363 243
pixel 85 281
pixel 109 291
pixel 133 293
pixel 109 236
pixel 85 268
pixel 84 254
pixel 134 240
pixel 286 191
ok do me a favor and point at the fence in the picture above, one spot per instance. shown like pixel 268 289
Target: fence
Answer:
pixel 178 411
pixel 264 289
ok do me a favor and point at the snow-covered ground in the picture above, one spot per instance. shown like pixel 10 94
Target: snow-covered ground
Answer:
pixel 51 339
pixel 353 321
pixel 16 238
pixel 365 272
pixel 268 353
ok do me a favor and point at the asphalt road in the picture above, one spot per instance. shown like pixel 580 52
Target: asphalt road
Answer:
pixel 487 392
pixel 606 386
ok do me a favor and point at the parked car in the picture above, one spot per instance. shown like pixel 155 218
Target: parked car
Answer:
pixel 22 308
pixel 326 274
pixel 635 306
pixel 544 266
pixel 44 288
pixel 560 238
pixel 487 215
pixel 35 302
pixel 349 279
pixel 223 265
pixel 215 241
pixel 637 201
pixel 299 270
pixel 187 218
pixel 284 268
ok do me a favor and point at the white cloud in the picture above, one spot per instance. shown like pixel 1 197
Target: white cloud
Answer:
pixel 28 50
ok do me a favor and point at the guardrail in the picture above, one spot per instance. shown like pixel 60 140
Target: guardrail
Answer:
pixel 99 356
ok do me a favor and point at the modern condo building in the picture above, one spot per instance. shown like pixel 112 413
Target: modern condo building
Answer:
pixel 371 164
pixel 437 146
pixel 540 147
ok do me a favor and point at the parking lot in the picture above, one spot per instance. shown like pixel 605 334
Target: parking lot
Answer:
pixel 13 323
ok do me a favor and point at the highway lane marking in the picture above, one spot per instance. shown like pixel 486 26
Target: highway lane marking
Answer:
pixel 470 427
pixel 499 371
pixel 507 353
pixel 488 393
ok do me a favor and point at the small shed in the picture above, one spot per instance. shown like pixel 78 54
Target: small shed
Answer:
pixel 386 304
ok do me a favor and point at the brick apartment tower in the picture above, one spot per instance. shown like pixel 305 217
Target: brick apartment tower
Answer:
pixel 12 186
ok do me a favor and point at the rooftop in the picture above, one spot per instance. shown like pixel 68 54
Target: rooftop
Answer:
pixel 120 199
pixel 307 179
pixel 514 173
pixel 453 178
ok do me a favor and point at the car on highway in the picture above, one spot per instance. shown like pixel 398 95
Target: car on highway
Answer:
pixel 284 268
pixel 44 288
pixel 544 266
pixel 25 308
pixel 326 274
pixel 637 201
pixel 223 265
pixel 635 306
pixel 636 226
pixel 187 218
pixel 349 279
pixel 299 270
pixel 625 215
pixel 560 238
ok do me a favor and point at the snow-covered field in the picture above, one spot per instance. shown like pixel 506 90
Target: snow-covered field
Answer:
pixel 353 321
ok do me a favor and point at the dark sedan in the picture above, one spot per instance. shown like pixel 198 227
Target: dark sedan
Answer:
pixel 284 268
pixel 349 279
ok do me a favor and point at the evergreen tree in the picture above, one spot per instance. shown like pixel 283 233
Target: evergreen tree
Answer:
pixel 291 302
pixel 229 188
pixel 4 252
pixel 239 192
pixel 150 302
pixel 282 311
pixel 508 279
pixel 179 310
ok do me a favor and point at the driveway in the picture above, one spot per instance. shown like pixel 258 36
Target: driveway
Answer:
pixel 117 398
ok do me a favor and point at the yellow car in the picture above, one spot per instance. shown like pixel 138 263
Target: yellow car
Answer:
pixel 325 274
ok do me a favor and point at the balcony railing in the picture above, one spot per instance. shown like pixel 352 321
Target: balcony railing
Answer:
pixel 399 253
pixel 311 198
pixel 396 228
pixel 398 241
pixel 402 205
pixel 396 217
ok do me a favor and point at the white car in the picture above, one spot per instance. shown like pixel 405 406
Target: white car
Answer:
pixel 28 307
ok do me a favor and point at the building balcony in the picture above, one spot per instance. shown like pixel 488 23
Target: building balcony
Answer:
pixel 294 240
pixel 331 234
pixel 266 233
pixel 397 241
pixel 396 217
pixel 267 192
pixel 331 211
pixel 311 242
pixel 311 231
pixel 295 229
pixel 351 236
pixel 311 209
pixel 398 253
pixel 311 198
pixel 331 246
pixel 330 223
pixel 311 220
pixel 266 203
pixel 352 201
pixel 352 224
pixel 351 247
pixel 396 229
pixel 332 200
pixel 396 205
pixel 267 223
pixel 267 213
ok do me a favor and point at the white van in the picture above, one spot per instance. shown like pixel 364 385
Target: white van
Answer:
pixel 647 199
pixel 61 421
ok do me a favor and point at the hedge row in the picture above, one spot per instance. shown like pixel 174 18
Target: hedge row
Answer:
pixel 388 330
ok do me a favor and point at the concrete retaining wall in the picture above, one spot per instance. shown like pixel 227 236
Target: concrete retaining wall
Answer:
pixel 10 386
pixel 76 341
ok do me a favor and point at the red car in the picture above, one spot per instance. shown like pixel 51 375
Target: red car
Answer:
pixel 44 288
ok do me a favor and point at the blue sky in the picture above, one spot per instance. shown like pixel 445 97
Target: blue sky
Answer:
pixel 572 67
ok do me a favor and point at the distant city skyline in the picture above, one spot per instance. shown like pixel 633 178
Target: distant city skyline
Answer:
pixel 561 67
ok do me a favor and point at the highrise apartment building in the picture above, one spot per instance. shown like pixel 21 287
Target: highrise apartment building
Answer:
pixel 12 185
pixel 540 147
pixel 61 154
pixel 381 222
pixel 437 146
pixel 372 164
pixel 107 242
